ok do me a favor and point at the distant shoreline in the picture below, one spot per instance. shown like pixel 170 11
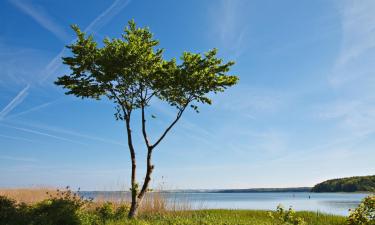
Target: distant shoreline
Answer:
pixel 248 190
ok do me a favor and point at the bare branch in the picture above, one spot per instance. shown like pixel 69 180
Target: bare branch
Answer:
pixel 144 132
pixel 179 114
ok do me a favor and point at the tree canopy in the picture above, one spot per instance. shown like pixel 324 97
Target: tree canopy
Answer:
pixel 349 184
pixel 131 71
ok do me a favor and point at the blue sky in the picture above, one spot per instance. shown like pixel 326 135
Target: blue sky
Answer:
pixel 303 112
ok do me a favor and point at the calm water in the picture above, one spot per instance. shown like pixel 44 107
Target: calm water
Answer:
pixel 333 203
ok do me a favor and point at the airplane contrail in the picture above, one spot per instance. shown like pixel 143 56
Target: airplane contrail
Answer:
pixel 43 134
pixel 55 63
pixel 35 108
pixel 16 101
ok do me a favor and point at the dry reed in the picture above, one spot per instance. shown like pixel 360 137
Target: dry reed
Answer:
pixel 153 203
pixel 28 195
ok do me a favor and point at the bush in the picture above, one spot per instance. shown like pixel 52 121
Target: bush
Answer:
pixel 122 212
pixel 12 213
pixel 108 212
pixel 8 210
pixel 286 217
pixel 66 208
pixel 364 214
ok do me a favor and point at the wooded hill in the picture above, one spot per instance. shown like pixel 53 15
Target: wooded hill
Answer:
pixel 349 184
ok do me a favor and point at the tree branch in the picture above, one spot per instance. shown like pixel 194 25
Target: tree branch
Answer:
pixel 144 132
pixel 179 114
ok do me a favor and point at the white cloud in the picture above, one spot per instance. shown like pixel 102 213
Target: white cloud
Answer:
pixel 15 101
pixel 36 132
pixel 13 158
pixel 12 74
pixel 357 117
pixel 48 130
pixel 55 64
pixel 353 73
pixel 228 25
pixel 17 138
pixel 114 9
pixel 41 16
pixel 355 62
pixel 250 101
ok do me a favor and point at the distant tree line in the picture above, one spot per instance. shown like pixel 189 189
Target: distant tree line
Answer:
pixel 349 184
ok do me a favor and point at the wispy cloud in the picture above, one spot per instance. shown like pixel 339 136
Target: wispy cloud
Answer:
pixel 33 109
pixel 357 117
pixel 353 72
pixel 47 129
pixel 11 57
pixel 15 101
pixel 251 102
pixel 350 111
pixel 42 134
pixel 14 158
pixel 55 64
pixel 17 138
pixel 41 16
pixel 228 26
pixel 357 54
pixel 115 8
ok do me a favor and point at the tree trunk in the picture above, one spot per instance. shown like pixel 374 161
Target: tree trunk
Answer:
pixel 147 180
pixel 133 209
pixel 134 185
pixel 137 200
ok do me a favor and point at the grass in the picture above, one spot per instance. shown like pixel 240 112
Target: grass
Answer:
pixel 28 195
pixel 227 217
pixel 156 210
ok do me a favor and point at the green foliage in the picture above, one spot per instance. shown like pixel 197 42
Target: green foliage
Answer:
pixel 364 214
pixel 350 184
pixel 12 213
pixel 121 212
pixel 227 217
pixel 64 208
pixel 286 217
pixel 87 216
pixel 8 209
pixel 108 212
pixel 130 71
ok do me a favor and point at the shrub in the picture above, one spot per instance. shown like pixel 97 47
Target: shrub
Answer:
pixel 66 208
pixel 8 210
pixel 106 212
pixel 286 217
pixel 364 214
pixel 122 212
pixel 109 212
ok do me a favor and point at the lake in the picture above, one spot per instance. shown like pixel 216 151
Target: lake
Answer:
pixel 332 203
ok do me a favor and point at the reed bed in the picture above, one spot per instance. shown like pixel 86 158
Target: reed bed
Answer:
pixel 29 195
pixel 153 203
pixel 156 209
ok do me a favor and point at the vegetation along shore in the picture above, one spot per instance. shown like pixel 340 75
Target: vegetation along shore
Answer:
pixel 51 207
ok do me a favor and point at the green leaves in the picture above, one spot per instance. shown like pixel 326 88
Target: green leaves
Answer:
pixel 130 71
pixel 364 214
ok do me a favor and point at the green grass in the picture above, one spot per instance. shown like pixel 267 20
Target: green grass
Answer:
pixel 228 217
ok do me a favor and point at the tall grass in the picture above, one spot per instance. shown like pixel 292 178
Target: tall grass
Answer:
pixel 153 203
pixel 158 209
pixel 29 195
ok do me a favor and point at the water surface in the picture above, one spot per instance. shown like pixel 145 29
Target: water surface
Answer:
pixel 332 203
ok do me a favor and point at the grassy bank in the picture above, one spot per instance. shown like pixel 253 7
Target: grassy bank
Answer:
pixel 36 207
pixel 228 217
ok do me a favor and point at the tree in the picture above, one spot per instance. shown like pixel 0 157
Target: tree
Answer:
pixel 130 71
